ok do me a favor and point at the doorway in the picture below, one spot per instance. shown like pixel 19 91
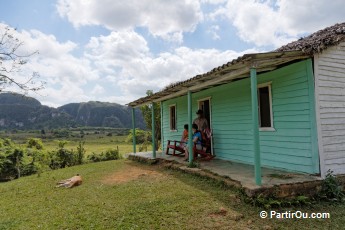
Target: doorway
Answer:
pixel 205 106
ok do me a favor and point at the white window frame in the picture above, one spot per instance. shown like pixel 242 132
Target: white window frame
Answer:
pixel 173 130
pixel 269 85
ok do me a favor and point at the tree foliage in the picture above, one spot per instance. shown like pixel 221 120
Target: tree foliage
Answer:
pixel 110 154
pixel 35 143
pixel 12 59
pixel 17 160
pixel 147 114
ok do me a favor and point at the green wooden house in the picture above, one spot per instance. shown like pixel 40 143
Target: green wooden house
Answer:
pixel 283 109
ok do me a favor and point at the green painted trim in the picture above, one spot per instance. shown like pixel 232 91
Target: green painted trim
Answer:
pixel 162 136
pixel 153 131
pixel 190 122
pixel 314 141
pixel 133 126
pixel 255 122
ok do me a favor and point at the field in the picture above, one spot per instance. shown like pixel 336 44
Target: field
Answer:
pixel 127 195
pixel 95 141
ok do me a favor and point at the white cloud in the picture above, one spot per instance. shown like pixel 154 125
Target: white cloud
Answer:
pixel 274 23
pixel 163 18
pixel 214 32
pixel 97 90
pixel 135 71
pixel 216 2
pixel 120 67
pixel 64 73
pixel 117 67
pixel 67 92
pixel 309 16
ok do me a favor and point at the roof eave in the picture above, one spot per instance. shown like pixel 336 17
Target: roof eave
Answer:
pixel 237 68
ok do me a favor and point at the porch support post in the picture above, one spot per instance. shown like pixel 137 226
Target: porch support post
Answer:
pixel 190 122
pixel 133 132
pixel 153 131
pixel 255 122
pixel 162 135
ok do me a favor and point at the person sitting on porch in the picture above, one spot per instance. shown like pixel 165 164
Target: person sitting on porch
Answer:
pixel 197 138
pixel 201 121
pixel 184 138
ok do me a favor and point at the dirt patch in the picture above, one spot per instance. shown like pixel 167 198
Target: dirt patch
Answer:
pixel 130 173
pixel 221 212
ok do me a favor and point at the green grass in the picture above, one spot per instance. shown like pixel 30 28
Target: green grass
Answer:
pixel 156 199
pixel 93 142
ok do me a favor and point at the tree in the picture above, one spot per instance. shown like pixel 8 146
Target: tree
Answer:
pixel 12 59
pixel 147 114
pixel 35 143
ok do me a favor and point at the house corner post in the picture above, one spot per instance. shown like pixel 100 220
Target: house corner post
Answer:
pixel 153 131
pixel 313 113
pixel 255 122
pixel 133 132
pixel 190 135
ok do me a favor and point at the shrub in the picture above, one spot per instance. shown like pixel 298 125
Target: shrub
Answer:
pixel 110 154
pixel 7 165
pixel 61 133
pixel 11 162
pixel 35 161
pixel 6 143
pixel 94 157
pixel 331 188
pixel 142 136
pixel 16 161
pixel 80 152
pixel 62 157
pixel 35 143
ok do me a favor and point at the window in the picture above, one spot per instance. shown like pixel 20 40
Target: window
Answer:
pixel 173 117
pixel 265 106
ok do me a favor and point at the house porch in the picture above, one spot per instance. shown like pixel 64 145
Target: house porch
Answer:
pixel 281 183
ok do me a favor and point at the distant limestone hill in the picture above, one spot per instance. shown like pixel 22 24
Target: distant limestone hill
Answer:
pixel 22 112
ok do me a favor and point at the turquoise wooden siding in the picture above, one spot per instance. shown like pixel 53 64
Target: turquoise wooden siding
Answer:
pixel 291 146
pixel 181 119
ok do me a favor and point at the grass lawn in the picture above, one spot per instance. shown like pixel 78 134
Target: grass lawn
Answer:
pixel 128 195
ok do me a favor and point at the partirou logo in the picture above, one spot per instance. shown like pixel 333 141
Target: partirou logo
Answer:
pixel 294 215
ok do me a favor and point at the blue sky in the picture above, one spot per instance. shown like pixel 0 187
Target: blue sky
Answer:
pixel 116 50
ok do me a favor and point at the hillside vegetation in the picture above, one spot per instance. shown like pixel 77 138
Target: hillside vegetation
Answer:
pixel 21 112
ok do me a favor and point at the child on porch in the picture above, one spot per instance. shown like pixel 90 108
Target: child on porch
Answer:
pixel 197 138
pixel 184 138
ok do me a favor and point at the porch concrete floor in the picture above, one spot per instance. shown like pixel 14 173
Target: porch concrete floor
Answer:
pixel 242 173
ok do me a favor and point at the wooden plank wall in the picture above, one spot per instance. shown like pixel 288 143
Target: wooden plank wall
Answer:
pixel 329 70
pixel 288 147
